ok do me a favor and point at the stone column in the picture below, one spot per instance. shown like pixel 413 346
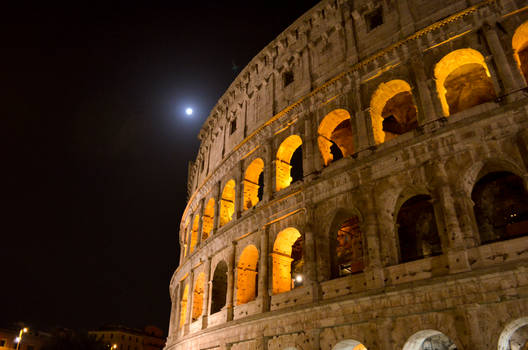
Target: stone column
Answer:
pixel 374 274
pixel 182 251
pixel 188 316
pixel 263 276
pixel 310 264
pixel 511 84
pixel 207 290
pixel 218 200
pixel 179 293
pixel 426 109
pixel 239 190
pixel 188 234
pixel 231 281
pixel 269 184
pixel 173 314
pixel 364 139
pixel 309 151
pixel 200 222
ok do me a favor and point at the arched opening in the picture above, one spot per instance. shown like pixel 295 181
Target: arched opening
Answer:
pixel 501 206
pixel 349 344
pixel 515 335
pixel 417 230
pixel 198 296
pixel 463 81
pixel 289 162
pixel 183 305
pixel 252 185
pixel 208 219
pixel 429 340
pixel 392 110
pixel 287 260
pixel 520 48
pixel 227 203
pixel 247 274
pixel 347 248
pixel 219 290
pixel 194 232
pixel 335 136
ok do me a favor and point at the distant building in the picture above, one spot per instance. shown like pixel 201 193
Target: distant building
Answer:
pixel 33 340
pixel 151 338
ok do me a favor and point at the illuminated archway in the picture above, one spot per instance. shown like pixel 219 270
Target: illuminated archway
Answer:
pixel 252 183
pixel 349 344
pixel 515 335
pixel 247 275
pixel 335 136
pixel 194 232
pixel 392 110
pixel 227 203
pixel 347 248
pixel 208 219
pixel 183 305
pixel 463 80
pixel 287 260
pixel 520 48
pixel 198 295
pixel 285 153
pixel 429 339
pixel 219 290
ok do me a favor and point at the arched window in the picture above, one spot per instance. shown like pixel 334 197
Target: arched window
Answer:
pixel 253 182
pixel 247 275
pixel 194 232
pixel 501 206
pixel 347 248
pixel 515 335
pixel 289 162
pixel 428 340
pixel 417 230
pixel 227 203
pixel 219 290
pixel 349 344
pixel 198 296
pixel 463 81
pixel 287 260
pixel 520 48
pixel 183 305
pixel 392 110
pixel 335 136
pixel 208 219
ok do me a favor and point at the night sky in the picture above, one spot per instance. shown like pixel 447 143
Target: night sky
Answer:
pixel 95 146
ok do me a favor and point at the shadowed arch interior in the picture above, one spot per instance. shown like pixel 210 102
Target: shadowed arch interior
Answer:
pixel 252 183
pixel 247 273
pixel 515 335
pixel 520 49
pixel 463 80
pixel 227 203
pixel 194 232
pixel 335 139
pixel 287 260
pixel 346 246
pixel 288 151
pixel 183 305
pixel 208 219
pixel 428 340
pixel 219 289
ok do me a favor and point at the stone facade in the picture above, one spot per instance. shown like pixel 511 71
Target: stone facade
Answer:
pixel 362 184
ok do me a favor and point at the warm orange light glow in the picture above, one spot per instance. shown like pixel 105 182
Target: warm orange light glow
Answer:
pixel 227 203
pixel 282 250
pixel 381 96
pixel 284 155
pixel 247 275
pixel 198 296
pixel 183 305
pixel 450 63
pixel 520 48
pixel 194 232
pixel 208 219
pixel 329 132
pixel 251 183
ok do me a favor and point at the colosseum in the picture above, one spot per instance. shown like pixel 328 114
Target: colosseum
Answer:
pixel 362 184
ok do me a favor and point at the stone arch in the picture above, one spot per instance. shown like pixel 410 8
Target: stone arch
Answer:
pixel 417 229
pixel 429 339
pixel 520 48
pixel 208 219
pixel 349 344
pixel 346 244
pixel 227 203
pixel 393 110
pixel 335 136
pixel 287 152
pixel 515 335
pixel 183 305
pixel 253 182
pixel 194 232
pixel 198 294
pixel 219 289
pixel 501 206
pixel 247 272
pixel 463 80
pixel 287 259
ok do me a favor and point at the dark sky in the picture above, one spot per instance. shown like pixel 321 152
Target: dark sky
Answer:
pixel 95 146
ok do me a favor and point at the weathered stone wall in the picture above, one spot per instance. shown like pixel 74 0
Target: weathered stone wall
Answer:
pixel 342 59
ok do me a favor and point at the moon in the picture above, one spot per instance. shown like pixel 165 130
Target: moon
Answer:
pixel 189 111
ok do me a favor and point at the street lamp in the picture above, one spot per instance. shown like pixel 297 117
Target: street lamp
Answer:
pixel 113 347
pixel 18 339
